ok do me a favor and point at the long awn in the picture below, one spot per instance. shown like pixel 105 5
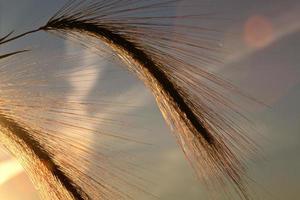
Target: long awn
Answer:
pixel 166 53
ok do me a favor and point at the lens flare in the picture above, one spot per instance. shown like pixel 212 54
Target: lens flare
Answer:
pixel 258 31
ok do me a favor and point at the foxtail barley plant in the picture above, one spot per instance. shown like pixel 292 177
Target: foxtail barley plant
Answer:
pixel 168 54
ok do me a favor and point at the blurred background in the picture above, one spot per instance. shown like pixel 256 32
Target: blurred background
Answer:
pixel 263 38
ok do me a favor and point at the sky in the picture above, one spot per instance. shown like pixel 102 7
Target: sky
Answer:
pixel 263 61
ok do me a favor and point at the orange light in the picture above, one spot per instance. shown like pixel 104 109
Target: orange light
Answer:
pixel 258 31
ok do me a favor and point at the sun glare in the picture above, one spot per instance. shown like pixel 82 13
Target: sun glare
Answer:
pixel 8 170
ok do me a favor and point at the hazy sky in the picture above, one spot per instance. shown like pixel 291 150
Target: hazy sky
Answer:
pixel 267 68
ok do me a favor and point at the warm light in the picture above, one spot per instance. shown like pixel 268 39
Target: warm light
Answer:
pixel 8 170
pixel 258 31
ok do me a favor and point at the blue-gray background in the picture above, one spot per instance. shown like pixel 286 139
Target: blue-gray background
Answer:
pixel 270 72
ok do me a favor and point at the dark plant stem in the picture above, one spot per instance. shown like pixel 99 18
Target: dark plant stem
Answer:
pixel 18 36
